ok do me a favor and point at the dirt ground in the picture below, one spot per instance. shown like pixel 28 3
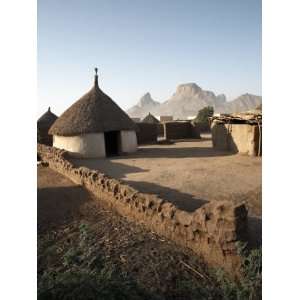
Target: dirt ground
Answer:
pixel 156 265
pixel 188 173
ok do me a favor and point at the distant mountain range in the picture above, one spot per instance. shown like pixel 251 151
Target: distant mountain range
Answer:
pixel 188 99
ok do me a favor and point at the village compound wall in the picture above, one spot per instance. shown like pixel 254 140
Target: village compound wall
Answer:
pixel 211 231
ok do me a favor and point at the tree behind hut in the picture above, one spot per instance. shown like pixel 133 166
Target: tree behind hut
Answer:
pixel 202 119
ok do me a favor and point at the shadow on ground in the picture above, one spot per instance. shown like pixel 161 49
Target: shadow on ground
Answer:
pixel 116 169
pixel 111 168
pixel 169 152
pixel 57 206
pixel 182 200
pixel 255 232
pixel 119 171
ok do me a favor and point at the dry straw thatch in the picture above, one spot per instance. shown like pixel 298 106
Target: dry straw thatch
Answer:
pixel 46 120
pixel 94 112
pixel 253 118
pixel 150 119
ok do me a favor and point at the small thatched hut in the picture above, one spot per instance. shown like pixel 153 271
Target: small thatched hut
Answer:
pixel 150 119
pixel 94 126
pixel 43 125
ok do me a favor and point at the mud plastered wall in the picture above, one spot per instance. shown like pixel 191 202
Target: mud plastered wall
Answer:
pixel 178 130
pixel 239 138
pixel 43 137
pixel 211 231
pixel 161 130
pixel 147 133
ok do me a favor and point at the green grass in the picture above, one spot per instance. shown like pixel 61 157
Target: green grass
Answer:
pixel 84 274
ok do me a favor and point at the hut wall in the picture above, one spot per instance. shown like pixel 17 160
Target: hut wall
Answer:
pixel 87 145
pixel 239 138
pixel 147 133
pixel 178 130
pixel 128 141
pixel 197 129
pixel 43 136
pixel 160 128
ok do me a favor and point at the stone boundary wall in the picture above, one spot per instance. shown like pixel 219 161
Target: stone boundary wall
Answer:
pixel 211 231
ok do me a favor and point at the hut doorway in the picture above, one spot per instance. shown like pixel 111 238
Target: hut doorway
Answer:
pixel 112 143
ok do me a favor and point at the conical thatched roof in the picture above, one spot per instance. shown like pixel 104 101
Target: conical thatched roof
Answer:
pixel 150 119
pixel 47 119
pixel 93 112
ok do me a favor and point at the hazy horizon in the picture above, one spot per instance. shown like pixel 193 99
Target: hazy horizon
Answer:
pixel 142 46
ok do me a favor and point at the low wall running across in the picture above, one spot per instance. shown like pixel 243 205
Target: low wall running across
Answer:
pixel 178 130
pixel 182 130
pixel 211 231
pixel 147 133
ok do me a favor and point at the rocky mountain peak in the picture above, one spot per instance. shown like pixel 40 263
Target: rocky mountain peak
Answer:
pixel 221 98
pixel 146 100
pixel 188 88
pixel 188 99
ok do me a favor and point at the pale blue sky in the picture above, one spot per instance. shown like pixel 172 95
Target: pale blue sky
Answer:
pixel 146 46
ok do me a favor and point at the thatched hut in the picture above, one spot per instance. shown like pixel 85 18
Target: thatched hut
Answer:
pixel 94 126
pixel 150 119
pixel 43 125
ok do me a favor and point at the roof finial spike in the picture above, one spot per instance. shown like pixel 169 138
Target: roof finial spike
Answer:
pixel 96 77
pixel 49 108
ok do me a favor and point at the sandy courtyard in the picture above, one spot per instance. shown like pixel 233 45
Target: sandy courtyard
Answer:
pixel 187 173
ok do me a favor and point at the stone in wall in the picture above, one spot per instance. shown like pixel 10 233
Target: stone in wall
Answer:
pixel 211 231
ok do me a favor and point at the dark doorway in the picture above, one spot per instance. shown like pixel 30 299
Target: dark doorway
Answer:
pixel 112 143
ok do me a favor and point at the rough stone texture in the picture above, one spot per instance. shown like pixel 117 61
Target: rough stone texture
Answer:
pixel 189 98
pixel 211 231
pixel 147 133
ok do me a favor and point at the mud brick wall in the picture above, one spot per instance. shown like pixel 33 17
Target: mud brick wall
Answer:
pixel 211 231
pixel 199 128
pixel 178 130
pixel 161 130
pixel 238 138
pixel 146 133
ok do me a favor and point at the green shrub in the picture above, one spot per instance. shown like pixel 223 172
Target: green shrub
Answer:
pixel 86 285
pixel 203 115
pixel 249 286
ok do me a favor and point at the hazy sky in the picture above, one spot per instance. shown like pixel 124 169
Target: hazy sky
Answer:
pixel 144 46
